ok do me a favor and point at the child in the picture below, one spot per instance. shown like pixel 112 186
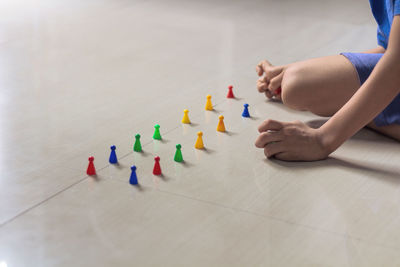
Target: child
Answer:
pixel 356 89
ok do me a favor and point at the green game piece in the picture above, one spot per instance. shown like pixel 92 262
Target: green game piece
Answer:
pixel 157 135
pixel 178 154
pixel 137 146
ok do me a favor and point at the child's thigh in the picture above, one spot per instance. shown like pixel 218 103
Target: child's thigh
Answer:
pixel 320 85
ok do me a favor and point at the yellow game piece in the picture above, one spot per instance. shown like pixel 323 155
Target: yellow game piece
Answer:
pixel 209 105
pixel 199 142
pixel 186 117
pixel 221 125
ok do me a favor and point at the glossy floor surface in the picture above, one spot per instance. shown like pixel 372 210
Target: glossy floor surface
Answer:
pixel 79 76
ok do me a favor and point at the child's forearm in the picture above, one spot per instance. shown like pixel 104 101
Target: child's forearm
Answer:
pixel 373 96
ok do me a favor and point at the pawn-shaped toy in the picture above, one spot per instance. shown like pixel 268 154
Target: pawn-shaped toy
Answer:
pixel 186 117
pixel 157 167
pixel 246 113
pixel 221 125
pixel 157 135
pixel 137 146
pixel 209 105
pixel 230 92
pixel 133 180
pixel 199 142
pixel 91 170
pixel 113 156
pixel 178 154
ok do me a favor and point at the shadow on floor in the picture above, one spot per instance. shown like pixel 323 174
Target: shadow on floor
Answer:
pixel 390 174
pixel 217 111
pixel 254 118
pixel 118 165
pixel 144 153
pixel 366 134
pixel 208 150
pixel 187 164
pixel 164 177
pixel 140 188
pixel 163 141
pixel 230 133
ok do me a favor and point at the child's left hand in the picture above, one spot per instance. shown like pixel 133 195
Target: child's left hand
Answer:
pixel 270 79
pixel 291 141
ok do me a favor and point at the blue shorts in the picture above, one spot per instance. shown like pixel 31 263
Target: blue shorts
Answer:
pixel 364 64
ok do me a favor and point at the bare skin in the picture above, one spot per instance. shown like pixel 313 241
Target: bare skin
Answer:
pixel 327 86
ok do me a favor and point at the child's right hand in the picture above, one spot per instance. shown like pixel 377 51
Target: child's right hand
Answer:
pixel 272 79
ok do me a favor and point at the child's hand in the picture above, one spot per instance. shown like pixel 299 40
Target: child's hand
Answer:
pixel 272 79
pixel 291 141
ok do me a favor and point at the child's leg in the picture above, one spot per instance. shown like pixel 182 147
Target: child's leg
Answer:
pixel 322 86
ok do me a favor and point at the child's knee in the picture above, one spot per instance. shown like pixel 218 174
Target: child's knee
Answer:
pixel 294 92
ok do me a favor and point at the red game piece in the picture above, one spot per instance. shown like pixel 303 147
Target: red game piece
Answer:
pixel 157 167
pixel 230 92
pixel 91 170
pixel 278 91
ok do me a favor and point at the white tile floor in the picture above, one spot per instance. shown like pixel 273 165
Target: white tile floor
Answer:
pixel 79 76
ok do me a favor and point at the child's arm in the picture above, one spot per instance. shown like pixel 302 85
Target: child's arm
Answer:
pixel 373 96
pixel 297 141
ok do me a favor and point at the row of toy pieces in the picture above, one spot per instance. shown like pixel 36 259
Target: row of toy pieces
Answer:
pixel 91 170
pixel 157 136
pixel 209 106
pixel 230 94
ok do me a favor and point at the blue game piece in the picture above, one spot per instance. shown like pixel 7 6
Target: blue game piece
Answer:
pixel 113 156
pixel 246 113
pixel 133 180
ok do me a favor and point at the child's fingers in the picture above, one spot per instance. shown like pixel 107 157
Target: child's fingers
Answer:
pixel 259 70
pixel 275 83
pixel 262 67
pixel 262 86
pixel 272 72
pixel 270 125
pixel 268 94
pixel 272 149
pixel 267 137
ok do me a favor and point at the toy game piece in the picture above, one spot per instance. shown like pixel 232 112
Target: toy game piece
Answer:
pixel 230 92
pixel 133 180
pixel 157 135
pixel 246 113
pixel 278 91
pixel 199 142
pixel 113 156
pixel 221 125
pixel 137 146
pixel 186 117
pixel 91 170
pixel 178 154
pixel 209 105
pixel 157 167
